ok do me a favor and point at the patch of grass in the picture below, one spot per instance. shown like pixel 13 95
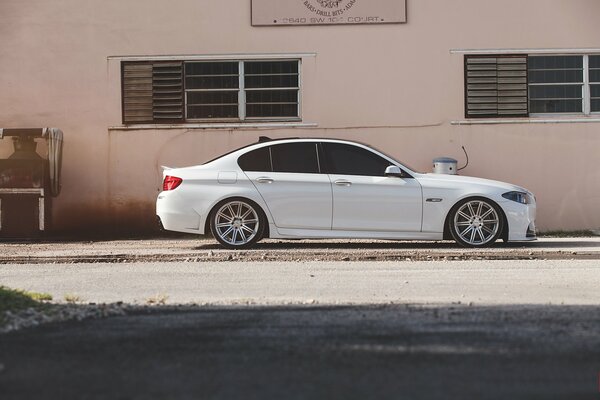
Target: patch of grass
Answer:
pixel 72 298
pixel 15 300
pixel 39 296
pixel 567 234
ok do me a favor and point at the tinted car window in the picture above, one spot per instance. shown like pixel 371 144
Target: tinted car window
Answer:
pixel 256 160
pixel 345 159
pixel 295 157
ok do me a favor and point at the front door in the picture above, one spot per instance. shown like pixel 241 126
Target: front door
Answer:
pixel 364 199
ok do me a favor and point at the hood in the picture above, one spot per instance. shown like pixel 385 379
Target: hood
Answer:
pixel 441 180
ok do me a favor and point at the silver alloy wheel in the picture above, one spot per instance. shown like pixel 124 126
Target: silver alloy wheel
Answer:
pixel 476 222
pixel 236 223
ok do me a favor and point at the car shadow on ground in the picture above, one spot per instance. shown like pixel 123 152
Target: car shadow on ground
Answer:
pixel 324 245
pixel 561 243
pixel 297 352
pixel 401 245
pixel 379 245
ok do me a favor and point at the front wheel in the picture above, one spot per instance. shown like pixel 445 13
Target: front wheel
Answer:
pixel 237 223
pixel 476 222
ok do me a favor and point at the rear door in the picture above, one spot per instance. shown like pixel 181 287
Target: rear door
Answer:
pixel 364 198
pixel 289 179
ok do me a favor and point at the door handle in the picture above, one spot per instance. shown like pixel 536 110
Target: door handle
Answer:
pixel 264 179
pixel 341 182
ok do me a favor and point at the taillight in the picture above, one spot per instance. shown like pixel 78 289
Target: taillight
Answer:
pixel 171 182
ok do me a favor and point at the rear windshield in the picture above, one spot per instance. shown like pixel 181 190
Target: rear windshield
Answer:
pixel 228 153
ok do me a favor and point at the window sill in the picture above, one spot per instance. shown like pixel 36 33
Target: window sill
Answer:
pixel 532 120
pixel 224 125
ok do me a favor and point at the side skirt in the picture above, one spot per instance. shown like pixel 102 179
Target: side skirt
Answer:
pixel 281 233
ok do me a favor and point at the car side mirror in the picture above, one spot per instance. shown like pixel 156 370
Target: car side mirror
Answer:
pixel 394 170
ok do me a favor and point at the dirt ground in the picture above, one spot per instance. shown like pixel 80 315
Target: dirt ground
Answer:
pixel 203 249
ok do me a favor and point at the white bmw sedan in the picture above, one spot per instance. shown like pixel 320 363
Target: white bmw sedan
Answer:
pixel 324 188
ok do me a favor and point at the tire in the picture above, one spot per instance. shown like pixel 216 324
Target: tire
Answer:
pixel 476 222
pixel 237 223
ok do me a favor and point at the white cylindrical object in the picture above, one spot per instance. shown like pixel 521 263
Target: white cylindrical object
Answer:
pixel 445 165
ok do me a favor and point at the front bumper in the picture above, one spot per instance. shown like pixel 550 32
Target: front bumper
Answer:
pixel 521 221
pixel 531 233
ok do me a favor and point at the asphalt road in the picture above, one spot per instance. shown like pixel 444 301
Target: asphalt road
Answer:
pixel 356 352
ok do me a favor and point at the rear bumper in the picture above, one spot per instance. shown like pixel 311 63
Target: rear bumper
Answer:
pixel 174 215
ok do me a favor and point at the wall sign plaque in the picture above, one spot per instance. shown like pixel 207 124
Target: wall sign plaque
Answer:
pixel 327 12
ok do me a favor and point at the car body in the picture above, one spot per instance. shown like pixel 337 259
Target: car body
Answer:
pixel 328 188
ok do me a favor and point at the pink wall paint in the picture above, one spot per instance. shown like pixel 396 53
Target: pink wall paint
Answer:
pixel 397 87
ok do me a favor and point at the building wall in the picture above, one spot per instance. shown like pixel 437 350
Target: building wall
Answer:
pixel 397 87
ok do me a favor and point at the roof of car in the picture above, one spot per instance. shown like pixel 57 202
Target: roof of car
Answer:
pixel 265 141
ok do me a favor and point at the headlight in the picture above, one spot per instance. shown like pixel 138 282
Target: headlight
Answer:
pixel 519 197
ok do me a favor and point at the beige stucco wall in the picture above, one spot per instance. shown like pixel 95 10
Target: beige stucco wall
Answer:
pixel 397 87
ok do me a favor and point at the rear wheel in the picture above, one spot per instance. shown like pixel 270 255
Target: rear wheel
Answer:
pixel 476 222
pixel 237 223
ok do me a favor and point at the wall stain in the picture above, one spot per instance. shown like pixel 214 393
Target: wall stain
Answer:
pixel 127 218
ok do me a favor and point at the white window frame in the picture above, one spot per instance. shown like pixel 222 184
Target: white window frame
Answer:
pixel 585 90
pixel 242 94
pixel 186 91
pixel 589 85
pixel 593 117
